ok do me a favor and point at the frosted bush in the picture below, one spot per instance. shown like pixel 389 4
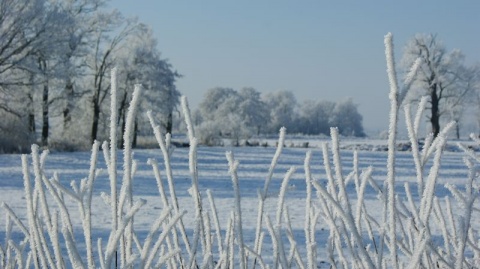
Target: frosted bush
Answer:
pixel 401 236
pixel 209 133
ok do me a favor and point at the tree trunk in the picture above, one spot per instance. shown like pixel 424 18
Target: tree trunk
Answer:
pixel 31 123
pixel 435 117
pixel 121 117
pixel 96 116
pixel 31 115
pixel 122 144
pixel 457 129
pixel 30 107
pixel 169 122
pixel 67 117
pixel 135 133
pixel 45 125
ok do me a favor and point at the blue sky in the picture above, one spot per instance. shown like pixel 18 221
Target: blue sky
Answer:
pixel 326 50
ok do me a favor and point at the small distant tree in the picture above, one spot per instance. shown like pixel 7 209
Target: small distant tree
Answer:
pixel 315 117
pixel 253 109
pixel 222 106
pixel 346 117
pixel 282 106
pixel 233 114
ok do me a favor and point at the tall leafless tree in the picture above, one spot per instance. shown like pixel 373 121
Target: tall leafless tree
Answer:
pixel 106 45
pixel 441 76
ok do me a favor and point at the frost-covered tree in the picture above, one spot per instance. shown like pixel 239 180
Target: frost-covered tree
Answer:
pixel 110 32
pixel 253 110
pixel 347 119
pixel 162 96
pixel 55 61
pixel 42 65
pixel 225 112
pixel 214 100
pixel 140 62
pixel 441 76
pixel 236 115
pixel 220 108
pixel 78 32
pixel 282 105
pixel 22 29
pixel 315 117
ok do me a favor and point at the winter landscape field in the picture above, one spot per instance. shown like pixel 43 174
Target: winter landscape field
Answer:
pixel 213 177
pixel 411 204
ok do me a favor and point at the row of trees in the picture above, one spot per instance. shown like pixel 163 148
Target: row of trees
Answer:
pixel 55 63
pixel 56 58
pixel 225 112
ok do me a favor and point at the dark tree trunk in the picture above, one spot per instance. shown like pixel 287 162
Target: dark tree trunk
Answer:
pixel 67 117
pixel 457 130
pixel 45 125
pixel 122 144
pixel 96 116
pixel 31 123
pixel 169 122
pixel 98 96
pixel 31 112
pixel 435 117
pixel 135 133
pixel 122 108
pixel 31 116
pixel 121 117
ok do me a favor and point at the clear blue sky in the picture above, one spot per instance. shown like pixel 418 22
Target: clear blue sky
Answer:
pixel 326 50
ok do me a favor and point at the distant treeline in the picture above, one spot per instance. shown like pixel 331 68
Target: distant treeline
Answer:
pixel 238 115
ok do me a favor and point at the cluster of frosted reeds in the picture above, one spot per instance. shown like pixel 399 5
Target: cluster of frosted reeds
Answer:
pixel 400 236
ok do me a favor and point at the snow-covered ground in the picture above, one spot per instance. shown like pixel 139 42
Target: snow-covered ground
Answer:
pixel 213 176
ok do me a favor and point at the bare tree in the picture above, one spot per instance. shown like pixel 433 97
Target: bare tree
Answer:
pixel 79 33
pixel 111 32
pixel 41 64
pixel 140 62
pixel 441 76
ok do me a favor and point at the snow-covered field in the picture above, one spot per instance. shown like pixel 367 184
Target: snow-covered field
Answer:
pixel 213 175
